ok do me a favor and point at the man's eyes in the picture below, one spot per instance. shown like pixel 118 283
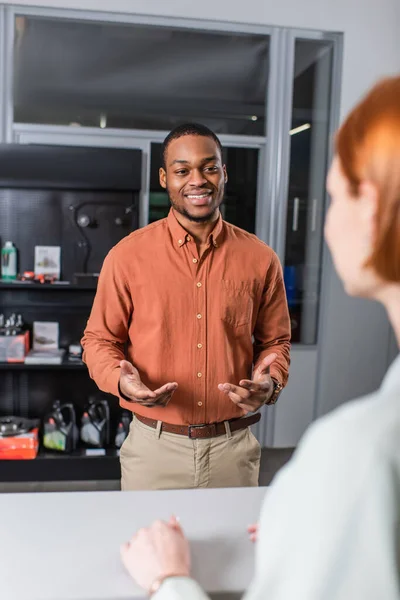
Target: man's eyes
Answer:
pixel 213 169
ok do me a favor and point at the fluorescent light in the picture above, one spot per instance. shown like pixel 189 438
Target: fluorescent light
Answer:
pixel 103 121
pixel 300 129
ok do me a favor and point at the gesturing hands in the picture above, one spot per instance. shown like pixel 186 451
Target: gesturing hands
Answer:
pixel 250 394
pixel 132 386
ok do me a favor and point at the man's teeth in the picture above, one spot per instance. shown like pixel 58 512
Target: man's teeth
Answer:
pixel 197 197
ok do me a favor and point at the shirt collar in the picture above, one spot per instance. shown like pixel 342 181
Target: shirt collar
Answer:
pixel 180 236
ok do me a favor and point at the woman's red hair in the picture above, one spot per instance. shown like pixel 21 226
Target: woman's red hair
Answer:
pixel 368 146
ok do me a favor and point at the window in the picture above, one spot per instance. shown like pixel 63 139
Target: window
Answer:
pixel 138 76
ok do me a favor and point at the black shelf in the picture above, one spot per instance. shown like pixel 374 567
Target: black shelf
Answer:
pixel 49 466
pixel 69 365
pixel 29 285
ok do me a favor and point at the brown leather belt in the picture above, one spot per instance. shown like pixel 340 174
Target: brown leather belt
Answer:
pixel 202 431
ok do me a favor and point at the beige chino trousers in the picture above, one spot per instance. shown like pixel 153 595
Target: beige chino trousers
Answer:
pixel 153 460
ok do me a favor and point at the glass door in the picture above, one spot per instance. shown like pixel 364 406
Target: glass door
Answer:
pixel 309 150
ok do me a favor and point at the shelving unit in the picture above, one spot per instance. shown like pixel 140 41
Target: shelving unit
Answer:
pixel 25 382
pixel 62 467
pixel 28 285
pixel 71 366
pixel 47 193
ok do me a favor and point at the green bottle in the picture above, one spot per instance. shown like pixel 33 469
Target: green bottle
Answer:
pixel 8 262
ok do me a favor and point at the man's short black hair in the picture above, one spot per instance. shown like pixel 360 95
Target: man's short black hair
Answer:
pixel 187 129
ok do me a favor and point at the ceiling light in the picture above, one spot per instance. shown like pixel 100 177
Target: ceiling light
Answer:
pixel 103 121
pixel 254 118
pixel 300 129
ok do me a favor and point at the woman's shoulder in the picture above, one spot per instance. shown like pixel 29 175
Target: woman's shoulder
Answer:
pixel 360 430
pixel 341 456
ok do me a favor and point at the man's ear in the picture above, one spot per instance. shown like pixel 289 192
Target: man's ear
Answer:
pixel 163 178
pixel 225 173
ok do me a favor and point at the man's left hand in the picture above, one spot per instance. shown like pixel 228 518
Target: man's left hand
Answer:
pixel 250 395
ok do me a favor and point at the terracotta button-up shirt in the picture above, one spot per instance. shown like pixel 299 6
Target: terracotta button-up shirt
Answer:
pixel 199 321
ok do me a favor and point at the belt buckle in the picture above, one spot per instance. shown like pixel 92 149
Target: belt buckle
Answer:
pixel 211 425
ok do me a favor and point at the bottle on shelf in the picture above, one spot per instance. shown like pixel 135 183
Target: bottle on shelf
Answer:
pixel 14 325
pixel 95 424
pixel 122 429
pixel 8 262
pixel 59 428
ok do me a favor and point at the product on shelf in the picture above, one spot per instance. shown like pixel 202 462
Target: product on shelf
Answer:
pixel 14 341
pixel 60 431
pixel 45 357
pixel 95 424
pixel 14 325
pixel 27 276
pixel 45 335
pixel 45 349
pixel 30 277
pixel 19 438
pixel 86 279
pixel 48 262
pixel 75 353
pixel 8 262
pixel 122 428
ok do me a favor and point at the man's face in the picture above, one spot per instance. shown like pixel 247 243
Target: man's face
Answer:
pixel 194 177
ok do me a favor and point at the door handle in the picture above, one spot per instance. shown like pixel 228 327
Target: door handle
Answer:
pixel 314 214
pixel 295 222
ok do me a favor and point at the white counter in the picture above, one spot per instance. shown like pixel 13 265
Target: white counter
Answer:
pixel 65 546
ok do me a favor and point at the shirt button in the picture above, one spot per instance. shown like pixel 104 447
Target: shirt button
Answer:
pixel 199 316
pixel 199 404
pixel 188 238
pixel 199 345
pixel 199 375
pixel 198 284
pixel 195 260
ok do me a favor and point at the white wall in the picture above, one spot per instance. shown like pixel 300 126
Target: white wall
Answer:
pixel 355 342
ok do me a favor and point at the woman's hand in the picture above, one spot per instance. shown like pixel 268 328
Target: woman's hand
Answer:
pixel 156 553
pixel 253 532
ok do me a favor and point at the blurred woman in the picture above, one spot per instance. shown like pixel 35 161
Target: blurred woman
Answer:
pixel 329 528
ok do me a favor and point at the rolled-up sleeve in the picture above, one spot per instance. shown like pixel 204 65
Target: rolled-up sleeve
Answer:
pixel 272 330
pixel 107 327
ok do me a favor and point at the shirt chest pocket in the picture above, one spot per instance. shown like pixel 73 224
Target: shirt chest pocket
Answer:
pixel 238 301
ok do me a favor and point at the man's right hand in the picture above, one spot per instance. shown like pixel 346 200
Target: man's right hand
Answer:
pixel 132 387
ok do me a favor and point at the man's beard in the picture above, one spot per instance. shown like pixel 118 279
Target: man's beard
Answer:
pixel 202 219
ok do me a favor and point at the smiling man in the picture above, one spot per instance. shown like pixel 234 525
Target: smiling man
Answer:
pixel 199 307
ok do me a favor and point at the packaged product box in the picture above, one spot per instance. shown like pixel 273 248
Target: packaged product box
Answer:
pixel 14 348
